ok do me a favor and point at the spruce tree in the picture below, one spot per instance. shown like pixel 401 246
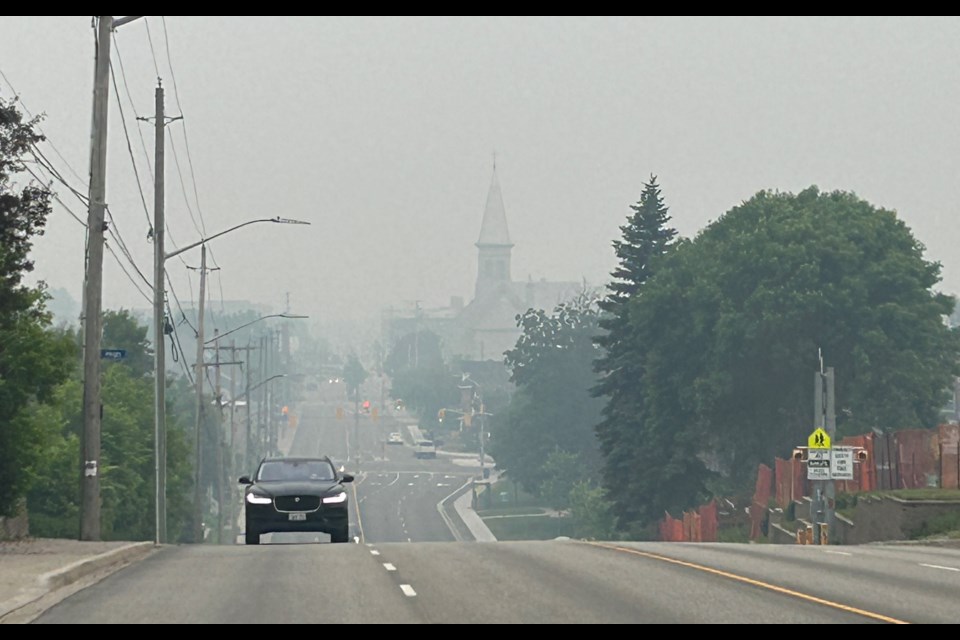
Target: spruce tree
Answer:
pixel 646 237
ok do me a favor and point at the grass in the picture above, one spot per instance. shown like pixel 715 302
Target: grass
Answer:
pixel 922 494
pixel 532 528
pixel 511 511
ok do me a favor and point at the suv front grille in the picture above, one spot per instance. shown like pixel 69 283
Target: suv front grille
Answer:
pixel 297 503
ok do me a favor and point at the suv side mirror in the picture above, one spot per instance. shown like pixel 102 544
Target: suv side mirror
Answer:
pixel 245 480
pixel 346 477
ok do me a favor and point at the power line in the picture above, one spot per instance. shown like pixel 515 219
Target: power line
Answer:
pixel 129 277
pixel 30 115
pixel 186 142
pixel 42 161
pixel 177 300
pixel 152 52
pixel 126 135
pixel 123 76
pixel 57 198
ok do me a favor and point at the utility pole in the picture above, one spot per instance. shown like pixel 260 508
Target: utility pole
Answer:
pixel 227 479
pixel 159 328
pixel 93 291
pixel 198 492
pixel 221 439
pixel 248 450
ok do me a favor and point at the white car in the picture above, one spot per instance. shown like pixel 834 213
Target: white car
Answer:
pixel 395 438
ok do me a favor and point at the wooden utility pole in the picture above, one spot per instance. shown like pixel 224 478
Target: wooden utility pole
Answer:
pixel 93 291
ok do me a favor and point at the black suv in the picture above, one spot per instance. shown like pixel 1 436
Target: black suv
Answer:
pixel 297 494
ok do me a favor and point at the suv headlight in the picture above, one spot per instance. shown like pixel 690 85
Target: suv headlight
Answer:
pixel 253 498
pixel 336 498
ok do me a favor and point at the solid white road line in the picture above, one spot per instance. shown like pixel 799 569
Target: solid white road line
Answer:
pixel 408 590
pixel 389 567
pixel 941 567
pixel 837 553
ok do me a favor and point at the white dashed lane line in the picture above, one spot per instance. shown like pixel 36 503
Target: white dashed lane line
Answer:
pixel 941 567
pixel 408 590
pixel 374 552
pixel 389 567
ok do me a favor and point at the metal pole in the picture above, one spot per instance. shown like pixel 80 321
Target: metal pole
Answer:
pixel 830 420
pixel 198 493
pixel 221 439
pixel 248 451
pixel 232 445
pixel 90 483
pixel 159 337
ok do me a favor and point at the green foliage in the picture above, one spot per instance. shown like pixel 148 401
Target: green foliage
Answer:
pixel 552 408
pixel 592 513
pixel 646 239
pixel 561 471
pixel 33 358
pixel 121 330
pixel 728 332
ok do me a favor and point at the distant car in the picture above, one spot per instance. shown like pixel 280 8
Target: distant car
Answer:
pixel 297 494
pixel 425 449
pixel 395 438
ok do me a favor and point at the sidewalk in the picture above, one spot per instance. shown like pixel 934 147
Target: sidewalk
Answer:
pixel 32 569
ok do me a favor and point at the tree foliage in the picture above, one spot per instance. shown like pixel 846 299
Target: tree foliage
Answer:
pixel 33 358
pixel 646 239
pixel 728 332
pixel 552 409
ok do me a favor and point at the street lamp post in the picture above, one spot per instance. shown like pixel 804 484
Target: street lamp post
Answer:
pixel 160 432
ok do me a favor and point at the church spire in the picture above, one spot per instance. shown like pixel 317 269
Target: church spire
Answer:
pixel 494 246
pixel 493 229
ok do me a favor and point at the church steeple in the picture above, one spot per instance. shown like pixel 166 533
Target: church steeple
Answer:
pixel 494 246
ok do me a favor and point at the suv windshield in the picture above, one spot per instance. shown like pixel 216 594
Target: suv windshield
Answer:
pixel 295 470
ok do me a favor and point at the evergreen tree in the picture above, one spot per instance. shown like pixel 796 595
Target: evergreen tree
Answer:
pixel 646 237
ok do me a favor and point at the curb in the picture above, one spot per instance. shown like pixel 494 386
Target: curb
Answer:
pixel 73 572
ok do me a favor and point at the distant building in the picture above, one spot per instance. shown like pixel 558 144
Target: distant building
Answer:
pixel 486 327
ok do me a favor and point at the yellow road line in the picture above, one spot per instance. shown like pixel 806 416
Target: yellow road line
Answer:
pixel 753 582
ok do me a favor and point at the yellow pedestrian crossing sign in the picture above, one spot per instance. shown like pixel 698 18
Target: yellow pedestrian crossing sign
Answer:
pixel 819 439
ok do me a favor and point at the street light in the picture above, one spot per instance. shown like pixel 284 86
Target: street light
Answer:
pixel 159 373
pixel 288 316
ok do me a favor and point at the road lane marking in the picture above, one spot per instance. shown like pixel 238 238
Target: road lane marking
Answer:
pixel 939 566
pixel 837 553
pixel 356 505
pixel 442 484
pixel 374 552
pixel 417 476
pixel 408 590
pixel 750 581
pixel 395 480
pixel 410 484
pixel 389 567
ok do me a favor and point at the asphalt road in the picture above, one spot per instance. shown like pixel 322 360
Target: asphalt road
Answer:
pixel 395 496
pixel 403 571
pixel 525 582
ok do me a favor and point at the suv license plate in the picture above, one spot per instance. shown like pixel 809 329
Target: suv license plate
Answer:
pixel 298 517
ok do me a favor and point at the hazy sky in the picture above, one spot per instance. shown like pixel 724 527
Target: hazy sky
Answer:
pixel 381 132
